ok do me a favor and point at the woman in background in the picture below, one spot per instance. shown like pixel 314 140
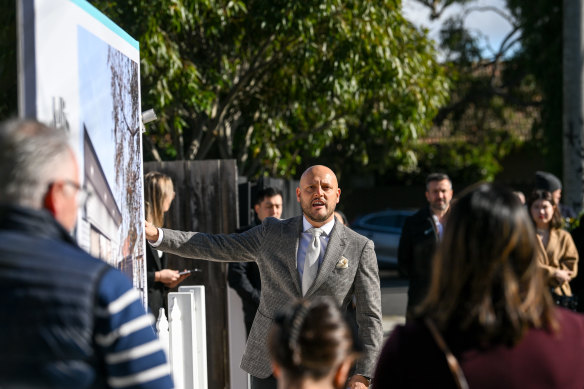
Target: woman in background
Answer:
pixel 312 346
pixel 488 320
pixel 556 251
pixel 158 195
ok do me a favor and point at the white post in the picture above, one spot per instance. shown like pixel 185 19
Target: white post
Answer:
pixel 199 335
pixel 176 350
pixel 162 330
pixel 182 339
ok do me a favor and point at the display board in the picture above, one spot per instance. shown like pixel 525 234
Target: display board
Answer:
pixel 80 72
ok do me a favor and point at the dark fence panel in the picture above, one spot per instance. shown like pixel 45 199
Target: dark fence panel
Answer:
pixel 246 213
pixel 248 192
pixel 206 201
pixel 290 206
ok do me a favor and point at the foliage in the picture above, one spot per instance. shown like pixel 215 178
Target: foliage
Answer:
pixel 539 61
pixel 275 83
pixel 465 160
pixel 517 86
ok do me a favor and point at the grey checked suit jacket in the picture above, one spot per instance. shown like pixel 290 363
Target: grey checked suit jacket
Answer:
pixel 274 246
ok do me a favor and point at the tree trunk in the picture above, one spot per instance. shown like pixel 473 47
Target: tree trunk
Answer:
pixel 573 107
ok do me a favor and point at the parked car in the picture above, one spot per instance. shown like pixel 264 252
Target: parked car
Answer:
pixel 384 229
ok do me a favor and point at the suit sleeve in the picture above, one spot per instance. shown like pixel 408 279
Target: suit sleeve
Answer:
pixel 243 247
pixel 368 295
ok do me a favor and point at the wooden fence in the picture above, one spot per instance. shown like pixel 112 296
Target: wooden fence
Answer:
pixel 206 201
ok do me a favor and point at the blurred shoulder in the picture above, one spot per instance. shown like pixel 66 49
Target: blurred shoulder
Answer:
pixel 563 236
pixel 352 235
pixel 272 221
pixel 407 340
pixel 562 233
pixel 571 323
pixel 114 283
pixel 421 214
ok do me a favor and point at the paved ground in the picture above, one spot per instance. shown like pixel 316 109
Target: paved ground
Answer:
pixel 393 300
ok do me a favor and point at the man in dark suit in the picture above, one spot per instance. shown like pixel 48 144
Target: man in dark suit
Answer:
pixel 340 263
pixel 419 236
pixel 244 277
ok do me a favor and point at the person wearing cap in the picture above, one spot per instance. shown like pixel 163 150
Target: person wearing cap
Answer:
pixel 549 182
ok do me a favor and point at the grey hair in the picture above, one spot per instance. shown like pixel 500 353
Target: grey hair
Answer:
pixel 32 155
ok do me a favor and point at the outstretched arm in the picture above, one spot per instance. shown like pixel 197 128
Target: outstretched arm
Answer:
pixel 244 247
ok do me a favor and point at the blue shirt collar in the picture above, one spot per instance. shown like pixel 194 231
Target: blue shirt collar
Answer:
pixel 327 228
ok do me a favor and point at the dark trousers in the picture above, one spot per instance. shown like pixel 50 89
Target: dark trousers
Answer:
pixel 264 383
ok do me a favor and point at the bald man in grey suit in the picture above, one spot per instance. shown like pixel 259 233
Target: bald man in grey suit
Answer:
pixel 347 265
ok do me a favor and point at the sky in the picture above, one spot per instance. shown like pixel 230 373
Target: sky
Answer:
pixel 96 100
pixel 492 27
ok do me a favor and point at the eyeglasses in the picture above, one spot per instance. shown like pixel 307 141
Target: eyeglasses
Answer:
pixel 82 194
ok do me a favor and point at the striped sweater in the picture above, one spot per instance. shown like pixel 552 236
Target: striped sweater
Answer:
pixel 123 334
pixel 68 320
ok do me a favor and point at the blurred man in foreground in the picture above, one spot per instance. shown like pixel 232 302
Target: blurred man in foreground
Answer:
pixel 68 320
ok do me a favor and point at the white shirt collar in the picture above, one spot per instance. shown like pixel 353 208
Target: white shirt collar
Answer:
pixel 439 225
pixel 327 228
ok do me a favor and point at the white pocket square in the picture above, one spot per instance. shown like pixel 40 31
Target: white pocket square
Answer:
pixel 343 263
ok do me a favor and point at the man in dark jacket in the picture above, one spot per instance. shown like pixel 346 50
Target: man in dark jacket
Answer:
pixel 419 236
pixel 68 320
pixel 244 277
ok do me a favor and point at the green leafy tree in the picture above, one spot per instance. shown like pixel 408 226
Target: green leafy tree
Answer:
pixel 539 61
pixel 499 93
pixel 274 83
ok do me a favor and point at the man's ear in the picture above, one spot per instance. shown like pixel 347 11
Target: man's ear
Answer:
pixel 256 208
pixel 49 200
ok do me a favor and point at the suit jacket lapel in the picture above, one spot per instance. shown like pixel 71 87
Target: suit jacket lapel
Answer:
pixel 334 252
pixel 291 250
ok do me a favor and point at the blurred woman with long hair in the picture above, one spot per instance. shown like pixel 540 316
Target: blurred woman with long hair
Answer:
pixel 158 196
pixel 488 320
